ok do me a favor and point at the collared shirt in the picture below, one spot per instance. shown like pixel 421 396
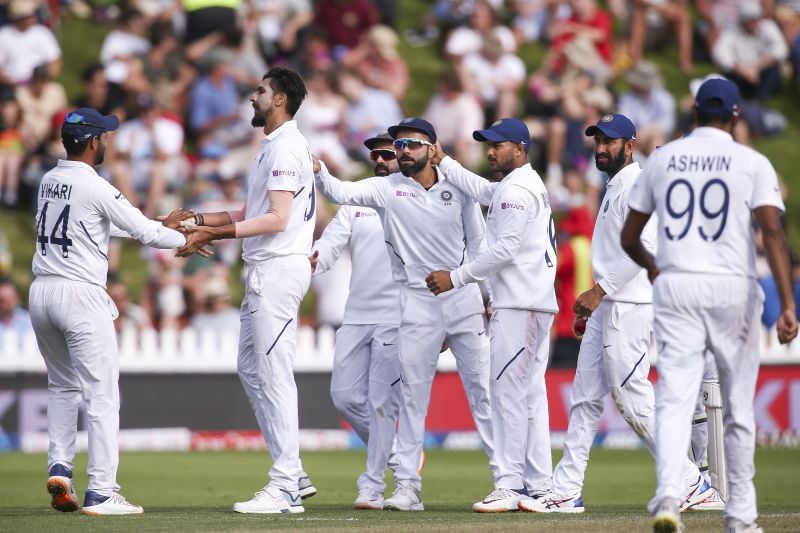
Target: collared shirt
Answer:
pixel 77 213
pixel 620 277
pixel 520 261
pixel 283 163
pixel 374 295
pixel 703 188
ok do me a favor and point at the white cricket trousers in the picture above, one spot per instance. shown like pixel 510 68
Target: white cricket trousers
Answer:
pixel 427 322
pixel 365 388
pixel 695 312
pixel 613 358
pixel 74 326
pixel 273 291
pixel 520 345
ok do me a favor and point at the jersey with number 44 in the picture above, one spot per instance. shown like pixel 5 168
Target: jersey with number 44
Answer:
pixel 704 188
pixel 77 213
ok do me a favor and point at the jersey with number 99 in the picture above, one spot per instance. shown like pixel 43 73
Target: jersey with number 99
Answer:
pixel 703 188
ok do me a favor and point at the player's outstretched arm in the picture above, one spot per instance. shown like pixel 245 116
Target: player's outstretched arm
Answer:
pixel 768 218
pixel 631 241
pixel 471 184
pixel 370 192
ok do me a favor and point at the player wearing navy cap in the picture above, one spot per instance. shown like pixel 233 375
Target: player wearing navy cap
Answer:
pixel 618 317
pixel 73 316
pixel 520 263
pixel 705 189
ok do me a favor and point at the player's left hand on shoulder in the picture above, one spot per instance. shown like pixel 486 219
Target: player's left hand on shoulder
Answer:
pixel 439 281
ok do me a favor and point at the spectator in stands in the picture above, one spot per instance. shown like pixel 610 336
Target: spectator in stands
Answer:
pixel 45 156
pixel 649 106
pixel 651 22
pixel 131 316
pixel 715 16
pixel 469 38
pixel 204 17
pixel 148 164
pixel 451 100
pixel 751 53
pixel 369 110
pixel 122 44
pixel 279 25
pixel 586 36
pixel 39 101
pixel 98 93
pixel 247 65
pixel 494 76
pixel 12 151
pixel 530 19
pixel 164 69
pixel 377 59
pixel 13 318
pixel 787 13
pixel 26 44
pixel 217 314
pixel 345 22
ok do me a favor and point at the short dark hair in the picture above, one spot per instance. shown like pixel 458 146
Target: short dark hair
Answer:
pixel 75 148
pixel 713 112
pixel 288 82
pixel 90 71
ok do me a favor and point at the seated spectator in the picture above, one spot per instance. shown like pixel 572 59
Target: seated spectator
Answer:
pixel 122 45
pixel 45 156
pixel 715 16
pixel 441 18
pixel 279 23
pixel 131 316
pixel 750 54
pixel 649 105
pixel 321 118
pixel 204 17
pixel 99 94
pixel 12 151
pixel 39 100
pixel 451 100
pixel 530 19
pixel 25 44
pixel 787 13
pixel 651 22
pixel 148 163
pixel 379 62
pixel 13 318
pixel 587 34
pixel 469 39
pixel 247 66
pixel 217 314
pixel 494 76
pixel 345 22
pixel 369 110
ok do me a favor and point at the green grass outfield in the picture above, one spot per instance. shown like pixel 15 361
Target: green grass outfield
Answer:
pixel 195 492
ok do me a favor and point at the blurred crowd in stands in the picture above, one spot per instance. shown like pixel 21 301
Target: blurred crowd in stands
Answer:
pixel 178 73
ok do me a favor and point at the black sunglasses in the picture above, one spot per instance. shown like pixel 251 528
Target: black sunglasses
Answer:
pixel 386 155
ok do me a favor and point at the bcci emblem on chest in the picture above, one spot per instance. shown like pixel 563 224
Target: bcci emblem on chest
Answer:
pixel 446 196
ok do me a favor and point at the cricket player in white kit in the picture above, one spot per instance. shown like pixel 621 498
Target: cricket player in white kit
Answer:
pixel 73 316
pixel 705 188
pixel 520 264
pixel 277 227
pixel 365 382
pixel 428 225
pixel 615 349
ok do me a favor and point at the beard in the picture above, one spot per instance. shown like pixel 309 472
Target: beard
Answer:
pixel 259 119
pixel 414 168
pixel 381 170
pixel 100 156
pixel 613 164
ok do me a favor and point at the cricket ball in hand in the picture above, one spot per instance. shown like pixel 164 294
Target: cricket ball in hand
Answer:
pixel 579 325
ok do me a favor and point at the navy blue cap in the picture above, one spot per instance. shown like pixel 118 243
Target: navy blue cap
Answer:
pixel 84 123
pixel 505 129
pixel 615 126
pixel 721 91
pixel 414 123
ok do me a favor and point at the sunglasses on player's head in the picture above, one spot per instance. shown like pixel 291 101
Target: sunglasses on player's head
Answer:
pixel 383 153
pixel 413 144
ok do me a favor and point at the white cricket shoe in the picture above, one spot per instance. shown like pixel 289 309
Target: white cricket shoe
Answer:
pixel 405 498
pixel 553 503
pixel 734 525
pixel 304 486
pixel 500 501
pixel 667 518
pixel 698 493
pixel 271 500
pixel 61 489
pixel 116 504
pixel 712 503
pixel 369 500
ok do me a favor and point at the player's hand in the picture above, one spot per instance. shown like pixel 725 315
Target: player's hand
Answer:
pixel 196 239
pixel 489 310
pixel 314 259
pixel 439 281
pixel 174 219
pixel 579 325
pixel 315 163
pixel 588 301
pixel 652 275
pixel 787 326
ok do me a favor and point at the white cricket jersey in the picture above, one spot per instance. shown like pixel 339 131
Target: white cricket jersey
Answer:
pixel 520 261
pixel 76 214
pixel 620 277
pixel 703 188
pixel 424 230
pixel 283 163
pixel 374 296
